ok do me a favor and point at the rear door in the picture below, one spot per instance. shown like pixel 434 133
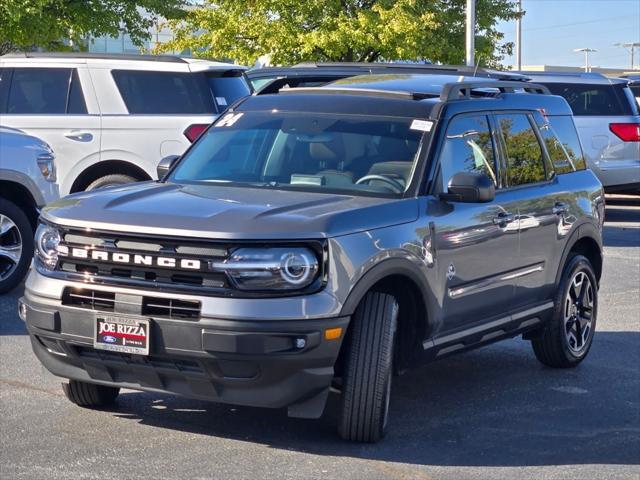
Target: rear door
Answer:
pixel 540 204
pixel 55 103
pixel 476 243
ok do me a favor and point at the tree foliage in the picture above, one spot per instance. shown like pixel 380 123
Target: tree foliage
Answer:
pixel 291 31
pixel 53 24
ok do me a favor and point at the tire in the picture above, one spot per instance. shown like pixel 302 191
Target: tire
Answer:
pixel 110 181
pixel 368 369
pixel 89 395
pixel 567 337
pixel 16 239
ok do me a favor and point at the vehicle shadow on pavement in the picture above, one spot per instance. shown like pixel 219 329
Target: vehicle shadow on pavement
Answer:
pixel 11 323
pixel 621 235
pixel 492 407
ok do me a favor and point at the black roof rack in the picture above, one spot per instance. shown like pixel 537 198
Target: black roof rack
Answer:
pixel 357 91
pixel 103 56
pixel 275 85
pixel 464 90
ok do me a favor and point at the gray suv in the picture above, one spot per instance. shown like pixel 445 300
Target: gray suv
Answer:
pixel 323 239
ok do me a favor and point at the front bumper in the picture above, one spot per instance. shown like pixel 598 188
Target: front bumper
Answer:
pixel 252 363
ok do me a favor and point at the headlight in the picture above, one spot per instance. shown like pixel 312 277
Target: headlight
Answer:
pixel 47 241
pixel 47 166
pixel 270 268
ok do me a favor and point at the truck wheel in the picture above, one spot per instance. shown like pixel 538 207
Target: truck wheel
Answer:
pixel 567 337
pixel 89 395
pixel 16 245
pixel 368 370
pixel 111 181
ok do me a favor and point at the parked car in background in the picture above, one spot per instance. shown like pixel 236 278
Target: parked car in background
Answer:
pixel 608 120
pixel 111 118
pixel 27 183
pixel 313 74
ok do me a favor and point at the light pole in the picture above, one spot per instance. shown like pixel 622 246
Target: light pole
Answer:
pixel 587 51
pixel 519 37
pixel 471 32
pixel 632 46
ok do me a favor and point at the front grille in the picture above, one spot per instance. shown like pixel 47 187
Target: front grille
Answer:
pixel 142 267
pixel 89 299
pixel 147 306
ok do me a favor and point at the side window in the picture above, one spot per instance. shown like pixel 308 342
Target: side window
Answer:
pixel 76 104
pixel 150 92
pixel 468 147
pixel 39 90
pixel 525 161
pixel 5 77
pixel 563 144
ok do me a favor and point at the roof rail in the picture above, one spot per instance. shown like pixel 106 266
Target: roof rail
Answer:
pixel 463 90
pixel 551 73
pixel 358 91
pixel 101 56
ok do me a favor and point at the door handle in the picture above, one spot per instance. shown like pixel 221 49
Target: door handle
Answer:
pixel 79 135
pixel 559 208
pixel 503 218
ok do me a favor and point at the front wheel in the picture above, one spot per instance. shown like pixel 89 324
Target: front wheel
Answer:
pixel 567 337
pixel 16 245
pixel 90 395
pixel 111 181
pixel 368 369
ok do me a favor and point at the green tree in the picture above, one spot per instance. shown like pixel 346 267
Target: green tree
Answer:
pixel 291 31
pixel 53 24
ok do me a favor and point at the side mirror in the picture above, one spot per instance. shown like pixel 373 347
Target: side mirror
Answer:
pixel 470 187
pixel 165 165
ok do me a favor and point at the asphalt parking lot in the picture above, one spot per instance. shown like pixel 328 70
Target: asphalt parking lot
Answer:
pixel 487 414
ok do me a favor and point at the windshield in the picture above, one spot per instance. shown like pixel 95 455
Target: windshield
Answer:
pixel 314 152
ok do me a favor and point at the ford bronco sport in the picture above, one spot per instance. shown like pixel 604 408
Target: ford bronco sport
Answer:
pixel 327 238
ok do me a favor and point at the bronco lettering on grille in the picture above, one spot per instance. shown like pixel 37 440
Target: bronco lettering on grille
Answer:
pixel 135 259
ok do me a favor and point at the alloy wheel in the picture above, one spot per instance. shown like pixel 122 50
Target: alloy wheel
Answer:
pixel 10 246
pixel 578 312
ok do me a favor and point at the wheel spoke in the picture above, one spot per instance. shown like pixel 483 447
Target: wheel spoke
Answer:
pixel 11 252
pixel 6 224
pixel 584 287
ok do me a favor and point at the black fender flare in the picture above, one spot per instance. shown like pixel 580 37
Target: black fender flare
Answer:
pixel 393 266
pixel 584 230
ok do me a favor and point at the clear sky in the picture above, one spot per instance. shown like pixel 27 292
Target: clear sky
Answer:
pixel 551 29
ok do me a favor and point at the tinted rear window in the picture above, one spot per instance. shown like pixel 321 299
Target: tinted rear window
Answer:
pixel 586 99
pixel 227 88
pixel 39 90
pixel 146 92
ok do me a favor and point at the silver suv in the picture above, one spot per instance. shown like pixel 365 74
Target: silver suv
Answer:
pixel 608 121
pixel 324 238
pixel 27 183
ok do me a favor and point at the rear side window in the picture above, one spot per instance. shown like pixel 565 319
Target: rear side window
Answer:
pixel 150 92
pixel 227 87
pixel 468 147
pixel 44 91
pixel 563 144
pixel 525 161
pixel 585 99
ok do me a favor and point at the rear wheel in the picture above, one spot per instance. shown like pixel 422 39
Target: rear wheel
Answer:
pixel 368 370
pixel 111 181
pixel 567 337
pixel 90 395
pixel 16 245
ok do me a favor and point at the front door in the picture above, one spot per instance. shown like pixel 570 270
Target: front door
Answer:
pixel 476 243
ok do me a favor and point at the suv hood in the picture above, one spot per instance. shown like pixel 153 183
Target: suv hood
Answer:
pixel 219 212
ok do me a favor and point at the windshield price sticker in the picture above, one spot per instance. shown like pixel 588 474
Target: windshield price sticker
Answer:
pixel 422 125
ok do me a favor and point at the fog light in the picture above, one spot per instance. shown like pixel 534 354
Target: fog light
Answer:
pixel 301 343
pixel 22 310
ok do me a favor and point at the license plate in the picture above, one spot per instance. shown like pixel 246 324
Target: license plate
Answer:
pixel 122 334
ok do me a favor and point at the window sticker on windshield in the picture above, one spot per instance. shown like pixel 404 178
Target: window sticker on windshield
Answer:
pixel 422 125
pixel 229 119
pixel 221 100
